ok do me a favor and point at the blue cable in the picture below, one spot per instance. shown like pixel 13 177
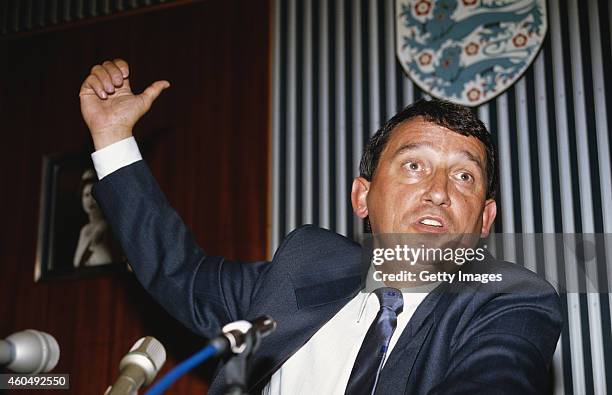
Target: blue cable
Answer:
pixel 165 382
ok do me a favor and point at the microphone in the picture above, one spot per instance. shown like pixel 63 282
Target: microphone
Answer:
pixel 29 351
pixel 239 337
pixel 139 366
pixel 236 332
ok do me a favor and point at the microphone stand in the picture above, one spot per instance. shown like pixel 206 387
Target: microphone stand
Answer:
pixel 240 339
pixel 237 366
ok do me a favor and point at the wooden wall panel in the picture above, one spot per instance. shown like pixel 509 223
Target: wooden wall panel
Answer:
pixel 206 140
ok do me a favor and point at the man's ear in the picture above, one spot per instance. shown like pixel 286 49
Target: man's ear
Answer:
pixel 359 193
pixel 488 216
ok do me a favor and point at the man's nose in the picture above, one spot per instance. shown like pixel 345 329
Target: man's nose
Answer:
pixel 436 191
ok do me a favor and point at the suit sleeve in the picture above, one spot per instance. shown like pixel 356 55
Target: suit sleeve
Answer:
pixel 507 346
pixel 200 291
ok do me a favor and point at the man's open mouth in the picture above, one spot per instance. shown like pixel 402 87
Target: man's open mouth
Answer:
pixel 431 224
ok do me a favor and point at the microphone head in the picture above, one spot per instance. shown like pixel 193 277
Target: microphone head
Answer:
pixel 148 354
pixel 34 352
pixel 264 324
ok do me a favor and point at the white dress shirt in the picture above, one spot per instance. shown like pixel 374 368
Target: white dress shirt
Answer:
pixel 324 363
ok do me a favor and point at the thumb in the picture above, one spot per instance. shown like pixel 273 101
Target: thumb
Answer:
pixel 152 92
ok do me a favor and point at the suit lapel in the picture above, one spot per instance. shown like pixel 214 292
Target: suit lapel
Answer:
pixel 313 275
pixel 320 287
pixel 298 322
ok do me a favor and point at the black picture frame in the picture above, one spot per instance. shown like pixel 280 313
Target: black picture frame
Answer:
pixel 70 243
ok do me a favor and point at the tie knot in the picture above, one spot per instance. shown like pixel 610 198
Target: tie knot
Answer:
pixel 390 298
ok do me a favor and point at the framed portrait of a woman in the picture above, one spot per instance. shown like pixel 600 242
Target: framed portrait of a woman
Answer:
pixel 74 238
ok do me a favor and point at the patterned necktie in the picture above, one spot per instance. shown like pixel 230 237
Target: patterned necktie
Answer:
pixel 368 364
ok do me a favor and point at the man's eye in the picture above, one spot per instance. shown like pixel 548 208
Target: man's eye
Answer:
pixel 413 166
pixel 464 177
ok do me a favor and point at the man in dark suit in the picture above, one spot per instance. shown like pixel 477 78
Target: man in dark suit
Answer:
pixel 429 170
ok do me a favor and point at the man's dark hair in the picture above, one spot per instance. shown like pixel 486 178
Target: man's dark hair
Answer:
pixel 452 116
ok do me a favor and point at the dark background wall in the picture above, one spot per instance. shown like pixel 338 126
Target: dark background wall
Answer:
pixel 206 140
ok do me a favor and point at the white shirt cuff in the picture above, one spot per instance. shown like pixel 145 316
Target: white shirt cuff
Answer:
pixel 115 156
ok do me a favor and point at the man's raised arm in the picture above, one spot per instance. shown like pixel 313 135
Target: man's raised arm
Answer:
pixel 200 291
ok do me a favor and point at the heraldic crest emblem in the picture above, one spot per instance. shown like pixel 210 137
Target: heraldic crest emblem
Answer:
pixel 468 51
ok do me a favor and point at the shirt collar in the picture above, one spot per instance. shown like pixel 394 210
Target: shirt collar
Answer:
pixel 371 285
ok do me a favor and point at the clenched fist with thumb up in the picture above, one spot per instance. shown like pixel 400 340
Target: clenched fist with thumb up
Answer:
pixel 109 106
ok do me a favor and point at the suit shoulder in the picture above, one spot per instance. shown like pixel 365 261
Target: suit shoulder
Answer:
pixel 307 236
pixel 517 286
pixel 517 304
pixel 516 277
pixel 313 245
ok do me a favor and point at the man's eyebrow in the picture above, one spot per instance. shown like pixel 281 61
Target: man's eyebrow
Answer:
pixel 414 146
pixel 472 158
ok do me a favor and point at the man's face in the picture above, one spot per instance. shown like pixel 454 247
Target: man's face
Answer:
pixel 429 179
